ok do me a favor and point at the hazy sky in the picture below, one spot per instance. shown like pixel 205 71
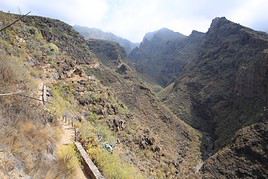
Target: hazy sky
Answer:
pixel 131 19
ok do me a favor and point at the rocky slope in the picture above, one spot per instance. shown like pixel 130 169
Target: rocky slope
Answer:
pixel 94 33
pixel 220 90
pixel 163 138
pixel 245 157
pixel 110 53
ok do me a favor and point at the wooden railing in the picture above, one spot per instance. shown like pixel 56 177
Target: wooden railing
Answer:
pixel 89 167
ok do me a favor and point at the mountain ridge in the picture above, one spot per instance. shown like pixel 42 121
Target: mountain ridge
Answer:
pixel 95 33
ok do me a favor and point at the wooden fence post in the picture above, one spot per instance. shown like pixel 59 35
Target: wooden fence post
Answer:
pixel 44 94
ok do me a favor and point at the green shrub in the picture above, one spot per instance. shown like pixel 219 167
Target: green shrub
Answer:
pixel 66 165
pixel 107 135
pixel 87 131
pixel 51 49
pixel 93 117
pixel 62 101
pixel 69 157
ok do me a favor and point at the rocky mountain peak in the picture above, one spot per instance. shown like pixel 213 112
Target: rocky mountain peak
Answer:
pixel 219 21
pixel 223 26
pixel 163 34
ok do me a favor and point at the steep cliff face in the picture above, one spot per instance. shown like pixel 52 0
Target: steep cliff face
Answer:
pixel 155 58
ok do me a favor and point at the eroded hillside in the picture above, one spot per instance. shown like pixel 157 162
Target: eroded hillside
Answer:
pixel 219 89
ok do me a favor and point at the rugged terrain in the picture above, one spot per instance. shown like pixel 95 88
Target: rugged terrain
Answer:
pixel 221 89
pixel 245 157
pixel 225 84
pixel 153 130
pixel 155 58
pixel 110 53
pixel 209 121
pixel 90 82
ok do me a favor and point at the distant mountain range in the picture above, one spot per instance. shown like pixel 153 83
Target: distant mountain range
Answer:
pixel 94 33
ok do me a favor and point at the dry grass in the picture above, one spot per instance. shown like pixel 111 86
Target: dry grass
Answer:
pixel 66 165
pixel 32 143
pixel 15 75
pixel 11 70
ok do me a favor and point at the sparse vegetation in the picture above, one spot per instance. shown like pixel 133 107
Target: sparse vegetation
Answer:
pixel 51 49
pixel 62 101
pixel 28 144
pixel 13 72
pixel 111 164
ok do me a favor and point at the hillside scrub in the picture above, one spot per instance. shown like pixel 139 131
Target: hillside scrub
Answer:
pixel 28 142
pixel 61 102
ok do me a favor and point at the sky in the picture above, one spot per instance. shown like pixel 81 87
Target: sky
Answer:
pixel 131 19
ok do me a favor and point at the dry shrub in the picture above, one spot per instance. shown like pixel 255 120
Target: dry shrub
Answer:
pixel 27 136
pixel 66 164
pixel 12 70
pixel 27 140
pixel 32 140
